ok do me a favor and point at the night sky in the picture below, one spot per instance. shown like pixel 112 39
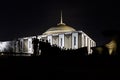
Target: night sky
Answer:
pixel 20 19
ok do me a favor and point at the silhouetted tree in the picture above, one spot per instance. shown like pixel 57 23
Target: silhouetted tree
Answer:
pixel 54 50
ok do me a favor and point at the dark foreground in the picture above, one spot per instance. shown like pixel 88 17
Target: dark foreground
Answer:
pixel 60 68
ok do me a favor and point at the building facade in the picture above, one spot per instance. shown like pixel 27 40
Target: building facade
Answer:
pixel 62 35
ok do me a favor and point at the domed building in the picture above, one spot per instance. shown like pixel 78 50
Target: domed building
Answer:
pixel 62 35
pixel 67 37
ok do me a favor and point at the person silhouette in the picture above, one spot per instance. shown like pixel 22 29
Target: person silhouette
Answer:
pixel 35 42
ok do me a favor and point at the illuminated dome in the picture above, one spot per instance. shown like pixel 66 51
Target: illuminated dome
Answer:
pixel 60 28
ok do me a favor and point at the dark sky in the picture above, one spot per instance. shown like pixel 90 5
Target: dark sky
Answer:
pixel 19 19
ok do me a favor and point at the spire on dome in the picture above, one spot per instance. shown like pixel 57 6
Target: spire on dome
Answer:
pixel 61 20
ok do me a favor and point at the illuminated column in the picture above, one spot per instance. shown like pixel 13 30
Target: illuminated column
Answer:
pixel 61 40
pixel 74 40
pixel 92 44
pixel 88 45
pixel 82 40
pixel 86 41
pixel 30 45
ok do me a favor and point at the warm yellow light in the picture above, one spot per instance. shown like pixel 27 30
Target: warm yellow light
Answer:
pixel 59 29
pixel 112 46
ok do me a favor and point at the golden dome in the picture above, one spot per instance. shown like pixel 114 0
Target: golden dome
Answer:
pixel 60 28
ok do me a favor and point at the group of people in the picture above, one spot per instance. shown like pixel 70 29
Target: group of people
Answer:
pixel 37 45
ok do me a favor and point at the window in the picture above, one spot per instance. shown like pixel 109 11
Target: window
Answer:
pixel 74 40
pixel 61 41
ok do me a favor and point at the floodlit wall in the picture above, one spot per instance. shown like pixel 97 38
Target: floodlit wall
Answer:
pixel 6 46
pixel 68 41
